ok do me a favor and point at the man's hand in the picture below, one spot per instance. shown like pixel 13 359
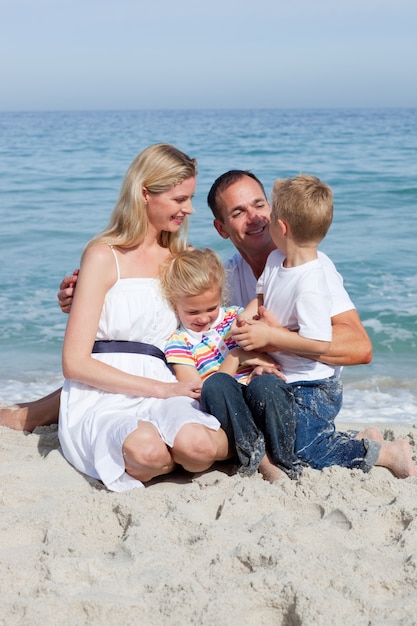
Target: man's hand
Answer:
pixel 66 292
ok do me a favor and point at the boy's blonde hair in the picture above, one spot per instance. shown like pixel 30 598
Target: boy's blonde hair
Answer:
pixel 305 203
pixel 191 273
pixel 157 168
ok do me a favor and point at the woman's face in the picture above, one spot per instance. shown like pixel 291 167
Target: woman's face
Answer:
pixel 167 210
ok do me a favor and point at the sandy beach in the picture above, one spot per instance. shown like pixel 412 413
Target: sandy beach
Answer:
pixel 336 546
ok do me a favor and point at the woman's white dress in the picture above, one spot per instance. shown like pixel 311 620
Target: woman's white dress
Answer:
pixel 93 424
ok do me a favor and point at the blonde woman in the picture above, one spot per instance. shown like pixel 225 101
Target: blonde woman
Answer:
pixel 124 418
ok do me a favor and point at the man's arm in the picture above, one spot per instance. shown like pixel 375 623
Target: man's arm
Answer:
pixel 350 343
pixel 66 291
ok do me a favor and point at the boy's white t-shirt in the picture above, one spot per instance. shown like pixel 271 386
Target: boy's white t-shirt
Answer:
pixel 241 286
pixel 299 298
pixel 241 282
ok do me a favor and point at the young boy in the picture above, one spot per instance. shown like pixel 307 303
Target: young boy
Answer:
pixel 296 293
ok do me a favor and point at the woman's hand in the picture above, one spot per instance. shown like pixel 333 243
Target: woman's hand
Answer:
pixel 189 388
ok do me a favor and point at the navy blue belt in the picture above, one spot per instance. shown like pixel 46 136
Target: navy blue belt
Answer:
pixel 134 347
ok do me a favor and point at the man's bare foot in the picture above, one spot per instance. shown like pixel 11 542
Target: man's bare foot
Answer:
pixel 374 434
pixel 396 456
pixel 271 472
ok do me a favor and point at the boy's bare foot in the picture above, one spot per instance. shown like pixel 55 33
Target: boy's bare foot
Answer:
pixel 271 472
pixel 396 456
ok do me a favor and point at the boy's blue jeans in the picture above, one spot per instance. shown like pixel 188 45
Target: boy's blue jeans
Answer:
pixel 317 442
pixel 254 417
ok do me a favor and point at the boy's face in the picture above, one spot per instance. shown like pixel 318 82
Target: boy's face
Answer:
pixel 198 313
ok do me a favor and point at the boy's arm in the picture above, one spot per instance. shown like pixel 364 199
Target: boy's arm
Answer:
pixel 250 311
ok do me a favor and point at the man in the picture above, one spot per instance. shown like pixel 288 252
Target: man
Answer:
pixel 242 214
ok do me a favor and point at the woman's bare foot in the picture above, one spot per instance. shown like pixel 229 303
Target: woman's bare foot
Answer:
pixel 371 433
pixel 13 416
pixel 29 415
pixel 396 456
pixel 271 472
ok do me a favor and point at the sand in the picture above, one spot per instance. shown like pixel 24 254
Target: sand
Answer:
pixel 335 547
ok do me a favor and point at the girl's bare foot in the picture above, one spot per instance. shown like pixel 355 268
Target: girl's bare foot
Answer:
pixel 271 472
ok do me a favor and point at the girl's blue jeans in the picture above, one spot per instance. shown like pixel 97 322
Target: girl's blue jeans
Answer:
pixel 256 418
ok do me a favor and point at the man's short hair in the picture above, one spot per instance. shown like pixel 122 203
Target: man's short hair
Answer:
pixel 222 183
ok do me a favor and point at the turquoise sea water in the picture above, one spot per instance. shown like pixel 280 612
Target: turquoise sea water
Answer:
pixel 60 174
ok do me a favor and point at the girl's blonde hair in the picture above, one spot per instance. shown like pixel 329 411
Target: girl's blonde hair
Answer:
pixel 157 168
pixel 191 273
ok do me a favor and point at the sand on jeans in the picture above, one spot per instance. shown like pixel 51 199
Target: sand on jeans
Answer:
pixel 336 546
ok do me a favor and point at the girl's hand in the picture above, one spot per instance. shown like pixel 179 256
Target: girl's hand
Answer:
pixel 252 358
pixel 264 369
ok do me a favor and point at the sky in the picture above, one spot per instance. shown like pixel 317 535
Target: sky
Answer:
pixel 197 54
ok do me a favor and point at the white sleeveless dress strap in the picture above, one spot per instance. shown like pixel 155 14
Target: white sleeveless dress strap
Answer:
pixel 117 261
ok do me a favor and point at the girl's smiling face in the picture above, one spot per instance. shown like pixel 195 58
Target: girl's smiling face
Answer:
pixel 198 313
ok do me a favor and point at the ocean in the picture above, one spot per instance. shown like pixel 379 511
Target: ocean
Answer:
pixel 60 175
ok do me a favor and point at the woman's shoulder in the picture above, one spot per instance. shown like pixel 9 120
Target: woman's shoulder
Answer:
pixel 98 250
pixel 99 259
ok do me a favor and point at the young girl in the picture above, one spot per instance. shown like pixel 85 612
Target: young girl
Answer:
pixel 203 349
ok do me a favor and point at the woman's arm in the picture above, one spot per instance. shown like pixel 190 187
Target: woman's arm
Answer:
pixel 97 275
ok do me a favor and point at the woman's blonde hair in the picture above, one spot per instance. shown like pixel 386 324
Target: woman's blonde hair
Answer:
pixel 157 168
pixel 191 273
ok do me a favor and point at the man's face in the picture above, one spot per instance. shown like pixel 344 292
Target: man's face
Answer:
pixel 245 216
